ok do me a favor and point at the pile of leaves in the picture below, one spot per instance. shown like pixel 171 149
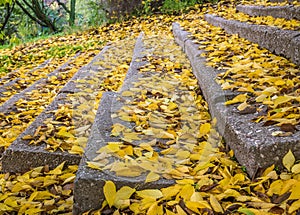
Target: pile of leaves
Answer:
pixel 268 84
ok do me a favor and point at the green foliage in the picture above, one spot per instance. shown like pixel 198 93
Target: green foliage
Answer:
pixel 170 6
pixel 90 13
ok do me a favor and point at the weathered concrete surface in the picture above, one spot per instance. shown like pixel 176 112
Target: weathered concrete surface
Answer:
pixel 286 12
pixel 253 144
pixel 281 42
pixel 21 157
pixel 88 190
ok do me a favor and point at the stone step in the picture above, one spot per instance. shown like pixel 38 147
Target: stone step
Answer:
pixel 8 105
pixel 287 12
pixel 5 78
pixel 141 83
pixel 31 101
pixel 11 86
pixel 89 182
pixel 254 145
pixel 281 42
pixel 75 103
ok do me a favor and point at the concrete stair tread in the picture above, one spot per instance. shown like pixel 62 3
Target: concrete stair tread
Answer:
pixel 6 78
pixel 251 142
pixel 287 12
pixel 140 79
pixel 84 87
pixel 14 86
pixel 281 42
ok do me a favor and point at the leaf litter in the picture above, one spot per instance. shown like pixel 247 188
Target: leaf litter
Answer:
pixel 268 84
pixel 218 185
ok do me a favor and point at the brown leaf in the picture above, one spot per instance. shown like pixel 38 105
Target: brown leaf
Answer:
pixel 206 188
pixel 269 123
pixel 276 210
pixel 248 110
pixel 279 199
pixel 288 127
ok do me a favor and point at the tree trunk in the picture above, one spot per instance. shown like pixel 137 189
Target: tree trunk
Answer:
pixel 72 12
pixel 9 10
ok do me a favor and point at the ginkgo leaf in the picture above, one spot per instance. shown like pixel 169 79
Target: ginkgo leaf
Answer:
pixel 205 129
pixel 295 191
pixel 180 211
pixel 152 177
pixel 215 204
pixel 294 207
pixel 94 165
pixel 151 194
pixel 296 168
pixel 238 99
pixel 245 211
pixel 288 160
pixel 109 190
pixel 155 209
pixel 122 196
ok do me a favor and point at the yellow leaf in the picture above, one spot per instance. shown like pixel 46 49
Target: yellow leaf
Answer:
pixel 288 160
pixel 152 177
pixel 170 192
pixel 128 93
pixel 33 211
pixel 242 106
pixel 196 205
pixel 150 193
pixel 295 206
pixel 154 209
pixel 41 195
pixel 11 201
pixel 196 197
pixel 4 207
pixel 94 165
pixel 296 168
pixel 64 133
pixel 57 170
pixel 281 100
pixel 215 204
pixel 182 154
pixel 122 195
pixel 76 150
pixel 186 192
pixel 109 191
pixel 172 106
pixel 168 212
pixel 238 99
pixel 295 191
pixel 204 129
pixel 180 211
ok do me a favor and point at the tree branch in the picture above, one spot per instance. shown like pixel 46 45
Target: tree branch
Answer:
pixel 63 6
pixel 29 15
pixel 8 14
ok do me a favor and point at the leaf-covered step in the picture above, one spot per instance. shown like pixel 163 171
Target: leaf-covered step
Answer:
pixel 287 12
pixel 232 13
pixel 60 132
pixel 22 108
pixel 152 131
pixel 252 142
pixel 11 86
pixel 281 42
pixel 18 73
